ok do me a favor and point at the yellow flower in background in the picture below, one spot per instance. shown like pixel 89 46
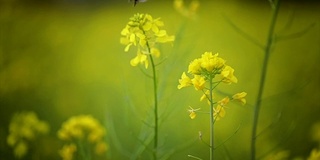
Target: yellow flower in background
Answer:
pixel 82 129
pixel 314 155
pixel 240 97
pixel 189 12
pixel 144 32
pixel 24 128
pixel 67 151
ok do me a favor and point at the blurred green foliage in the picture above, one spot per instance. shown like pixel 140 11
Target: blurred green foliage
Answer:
pixel 65 60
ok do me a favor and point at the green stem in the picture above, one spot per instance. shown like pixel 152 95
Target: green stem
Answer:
pixel 263 78
pixel 155 108
pixel 211 121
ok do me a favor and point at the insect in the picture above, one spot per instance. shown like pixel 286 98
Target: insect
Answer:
pixel 135 2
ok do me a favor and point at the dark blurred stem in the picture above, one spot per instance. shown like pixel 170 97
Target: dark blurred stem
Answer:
pixel 211 120
pixel 155 108
pixel 263 77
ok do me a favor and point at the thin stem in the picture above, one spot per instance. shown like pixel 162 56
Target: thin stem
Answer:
pixel 263 78
pixel 155 108
pixel 211 120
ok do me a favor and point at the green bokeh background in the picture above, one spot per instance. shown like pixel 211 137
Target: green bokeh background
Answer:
pixel 63 58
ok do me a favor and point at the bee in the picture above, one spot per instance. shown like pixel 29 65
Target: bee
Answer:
pixel 135 2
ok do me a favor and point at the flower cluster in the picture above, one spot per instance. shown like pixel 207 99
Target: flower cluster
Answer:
pixel 144 32
pixel 78 131
pixel 205 74
pixel 23 128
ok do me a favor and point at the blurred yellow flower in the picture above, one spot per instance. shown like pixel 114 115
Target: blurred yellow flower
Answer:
pixel 67 151
pixel 144 32
pixel 24 128
pixel 314 155
pixel 183 10
pixel 80 130
pixel 240 97
pixel 185 81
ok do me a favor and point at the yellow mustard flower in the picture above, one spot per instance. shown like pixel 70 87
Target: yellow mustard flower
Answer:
pixel 314 155
pixel 240 97
pixel 140 58
pixel 227 75
pixel 195 66
pixel 185 81
pixel 198 82
pixel 224 101
pixel 212 63
pixel 219 112
pixel 192 112
pixel 144 32
pixel 67 151
pixel 24 128
pixel 83 129
pixel 21 149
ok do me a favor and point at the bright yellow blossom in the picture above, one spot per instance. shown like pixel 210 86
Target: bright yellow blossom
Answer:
pixel 227 75
pixel 195 66
pixel 240 97
pixel 198 82
pixel 184 81
pixel 144 32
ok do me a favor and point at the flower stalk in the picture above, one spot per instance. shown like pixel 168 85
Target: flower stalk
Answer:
pixel 275 6
pixel 145 33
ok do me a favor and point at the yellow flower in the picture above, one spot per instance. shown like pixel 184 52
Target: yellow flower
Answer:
pixel 224 101
pixel 227 75
pixel 21 149
pixel 144 32
pixel 68 151
pixel 185 81
pixel 195 67
pixel 198 82
pixel 240 97
pixel 80 129
pixel 211 62
pixel 140 58
pixel 25 127
pixel 219 112
pixel 314 155
pixel 192 112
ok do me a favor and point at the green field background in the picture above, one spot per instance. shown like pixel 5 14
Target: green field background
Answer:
pixel 62 59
